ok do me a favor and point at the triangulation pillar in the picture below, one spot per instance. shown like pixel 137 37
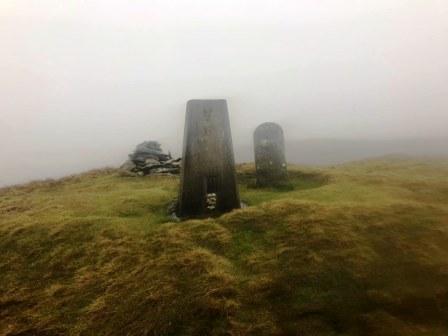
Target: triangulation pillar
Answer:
pixel 208 165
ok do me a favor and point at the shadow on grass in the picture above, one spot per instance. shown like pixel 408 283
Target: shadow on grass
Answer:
pixel 297 180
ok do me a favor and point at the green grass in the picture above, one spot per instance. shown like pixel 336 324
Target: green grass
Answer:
pixel 354 249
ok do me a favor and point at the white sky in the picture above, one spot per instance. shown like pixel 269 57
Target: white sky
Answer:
pixel 82 82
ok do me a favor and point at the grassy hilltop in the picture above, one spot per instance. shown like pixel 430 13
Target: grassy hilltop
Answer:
pixel 355 249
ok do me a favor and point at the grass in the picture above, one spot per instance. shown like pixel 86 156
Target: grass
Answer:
pixel 354 249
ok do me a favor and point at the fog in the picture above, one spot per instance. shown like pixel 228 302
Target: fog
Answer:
pixel 83 82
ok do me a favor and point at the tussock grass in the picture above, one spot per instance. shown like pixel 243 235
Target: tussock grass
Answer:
pixel 355 249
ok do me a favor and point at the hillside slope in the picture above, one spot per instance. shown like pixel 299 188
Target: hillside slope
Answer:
pixel 355 249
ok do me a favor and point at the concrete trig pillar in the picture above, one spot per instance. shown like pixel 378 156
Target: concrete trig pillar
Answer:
pixel 208 165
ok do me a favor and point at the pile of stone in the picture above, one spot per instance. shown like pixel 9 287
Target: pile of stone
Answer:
pixel 211 201
pixel 148 158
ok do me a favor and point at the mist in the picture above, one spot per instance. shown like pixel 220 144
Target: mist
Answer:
pixel 83 82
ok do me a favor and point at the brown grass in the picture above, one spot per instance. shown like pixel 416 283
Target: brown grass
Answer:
pixel 358 249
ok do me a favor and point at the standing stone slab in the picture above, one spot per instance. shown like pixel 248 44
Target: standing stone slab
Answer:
pixel 208 166
pixel 270 161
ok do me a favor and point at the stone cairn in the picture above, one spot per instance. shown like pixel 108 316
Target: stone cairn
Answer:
pixel 148 158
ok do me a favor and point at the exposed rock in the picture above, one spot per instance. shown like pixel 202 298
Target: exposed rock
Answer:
pixel 151 161
pixel 128 165
pixel 165 171
pixel 148 158
pixel 211 201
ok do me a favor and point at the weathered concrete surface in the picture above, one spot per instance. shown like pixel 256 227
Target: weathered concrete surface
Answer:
pixel 270 161
pixel 208 165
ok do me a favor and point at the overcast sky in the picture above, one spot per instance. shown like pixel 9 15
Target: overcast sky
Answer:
pixel 82 82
